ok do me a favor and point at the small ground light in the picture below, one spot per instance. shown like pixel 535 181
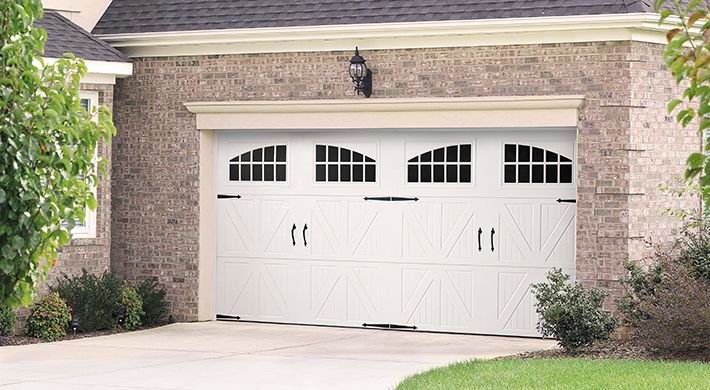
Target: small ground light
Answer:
pixel 74 323
pixel 122 316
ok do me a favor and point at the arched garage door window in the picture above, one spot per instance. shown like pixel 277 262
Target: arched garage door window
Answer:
pixel 449 164
pixel 259 165
pixel 529 164
pixel 336 164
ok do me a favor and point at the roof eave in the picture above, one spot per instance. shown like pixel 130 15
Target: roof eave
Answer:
pixel 549 29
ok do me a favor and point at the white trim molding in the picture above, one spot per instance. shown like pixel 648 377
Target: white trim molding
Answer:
pixel 642 27
pixel 101 72
pixel 416 113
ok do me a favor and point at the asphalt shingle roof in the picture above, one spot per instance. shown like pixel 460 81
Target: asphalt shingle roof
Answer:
pixel 64 36
pixel 140 16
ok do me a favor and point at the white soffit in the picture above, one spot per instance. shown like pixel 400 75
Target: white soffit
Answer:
pixel 563 29
pixel 101 72
pixel 416 113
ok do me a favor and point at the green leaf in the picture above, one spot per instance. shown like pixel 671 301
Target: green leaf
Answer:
pixel 673 104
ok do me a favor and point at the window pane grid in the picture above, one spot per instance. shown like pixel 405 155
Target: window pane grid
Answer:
pixel 449 164
pixel 342 165
pixel 267 164
pixel 528 164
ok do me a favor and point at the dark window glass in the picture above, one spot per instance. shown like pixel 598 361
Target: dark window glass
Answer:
pixel 564 159
pixel 551 174
pixel 538 173
pixel 345 172
pixel 332 172
pixel 523 153
pixel 510 173
pixel 281 172
pixel 269 154
pixel 465 173
pixel 358 174
pixel 320 153
pixel 246 157
pixel 344 155
pixel 412 173
pixel 509 153
pixel 425 173
pixel 320 172
pixel 414 160
pixel 538 155
pixel 256 171
pixel 524 173
pixel 452 153
pixel 257 154
pixel 234 172
pixel 370 173
pixel 452 173
pixel 465 153
pixel 426 157
pixel 235 159
pixel 268 172
pixel 550 156
pixel 280 154
pixel 332 154
pixel 246 172
pixel 439 155
pixel 358 157
pixel 368 159
pixel 565 173
pixel 438 173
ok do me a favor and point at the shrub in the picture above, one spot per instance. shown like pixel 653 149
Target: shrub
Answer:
pixel 640 285
pixel 571 314
pixel 7 320
pixel 694 249
pixel 155 307
pixel 677 317
pixel 133 307
pixel 49 318
pixel 96 300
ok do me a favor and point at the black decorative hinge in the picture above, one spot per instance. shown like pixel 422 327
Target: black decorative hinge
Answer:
pixel 389 326
pixel 391 199
pixel 223 196
pixel 566 200
pixel 226 317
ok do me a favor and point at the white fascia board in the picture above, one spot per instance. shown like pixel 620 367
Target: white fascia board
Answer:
pixel 416 113
pixel 101 72
pixel 553 29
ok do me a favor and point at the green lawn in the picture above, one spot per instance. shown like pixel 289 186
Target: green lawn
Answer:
pixel 563 374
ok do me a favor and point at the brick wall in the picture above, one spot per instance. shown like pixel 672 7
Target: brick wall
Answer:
pixel 622 127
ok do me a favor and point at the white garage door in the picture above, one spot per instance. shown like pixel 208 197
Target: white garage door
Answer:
pixel 444 231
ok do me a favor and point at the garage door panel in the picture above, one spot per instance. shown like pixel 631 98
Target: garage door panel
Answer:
pixel 459 255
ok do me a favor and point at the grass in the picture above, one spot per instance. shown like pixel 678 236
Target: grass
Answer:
pixel 575 374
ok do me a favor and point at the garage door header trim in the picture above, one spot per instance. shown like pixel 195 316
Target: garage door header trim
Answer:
pixel 477 112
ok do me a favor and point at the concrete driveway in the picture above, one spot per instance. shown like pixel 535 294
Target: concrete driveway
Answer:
pixel 220 355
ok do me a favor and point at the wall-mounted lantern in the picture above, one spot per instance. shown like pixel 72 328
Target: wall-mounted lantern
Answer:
pixel 361 76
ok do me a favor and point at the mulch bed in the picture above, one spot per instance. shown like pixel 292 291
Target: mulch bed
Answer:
pixel 613 349
pixel 26 340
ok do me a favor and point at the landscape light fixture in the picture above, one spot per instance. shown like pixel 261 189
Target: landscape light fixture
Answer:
pixel 361 76
pixel 74 323
pixel 121 316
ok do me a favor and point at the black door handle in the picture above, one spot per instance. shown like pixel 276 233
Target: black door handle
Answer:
pixel 480 231
pixel 304 234
pixel 293 238
pixel 493 231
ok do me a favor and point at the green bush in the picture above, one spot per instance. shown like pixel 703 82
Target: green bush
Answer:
pixel 694 249
pixel 49 318
pixel 571 314
pixel 133 307
pixel 7 320
pixel 155 306
pixel 640 285
pixel 96 300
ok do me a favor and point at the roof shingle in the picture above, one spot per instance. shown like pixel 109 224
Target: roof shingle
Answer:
pixel 64 36
pixel 141 16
